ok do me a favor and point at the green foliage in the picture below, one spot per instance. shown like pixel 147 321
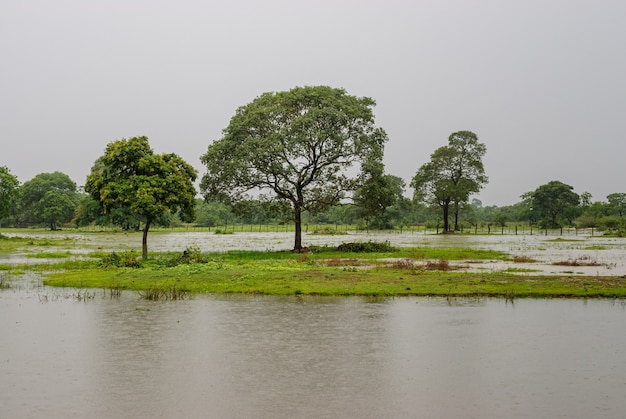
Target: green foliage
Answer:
pixel 377 193
pixel 9 189
pixel 615 225
pixel 120 260
pixel 617 203
pixel 130 177
pixel 54 208
pixel 212 213
pixel 366 247
pixel 48 199
pixel 299 144
pixel 553 204
pixel 453 173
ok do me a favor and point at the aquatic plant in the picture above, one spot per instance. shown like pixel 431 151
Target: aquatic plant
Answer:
pixel 163 292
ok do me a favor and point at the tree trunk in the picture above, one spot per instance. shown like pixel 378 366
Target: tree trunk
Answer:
pixel 297 216
pixel 144 239
pixel 446 212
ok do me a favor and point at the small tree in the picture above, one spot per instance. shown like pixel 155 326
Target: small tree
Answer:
pixel 302 145
pixel 453 173
pixel 129 176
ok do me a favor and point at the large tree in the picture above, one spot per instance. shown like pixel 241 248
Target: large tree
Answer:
pixel 304 145
pixel 553 203
pixel 131 177
pixel 8 191
pixel 453 173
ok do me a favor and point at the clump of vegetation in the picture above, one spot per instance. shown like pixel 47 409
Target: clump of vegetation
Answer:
pixel 404 263
pixel 523 259
pixel 220 231
pixel 163 292
pixel 327 232
pixel 120 260
pixel 3 281
pixel 366 247
pixel 191 255
pixel 520 270
pixel 83 294
pixel 439 265
pixel 581 261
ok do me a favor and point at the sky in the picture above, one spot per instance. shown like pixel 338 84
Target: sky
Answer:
pixel 541 82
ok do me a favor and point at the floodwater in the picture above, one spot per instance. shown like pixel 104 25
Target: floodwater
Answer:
pixel 587 254
pixel 289 357
pixel 64 356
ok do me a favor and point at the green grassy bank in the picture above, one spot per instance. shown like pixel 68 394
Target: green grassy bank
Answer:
pixel 416 272
pixel 366 269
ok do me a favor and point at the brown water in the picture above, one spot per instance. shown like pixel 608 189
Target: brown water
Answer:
pixel 279 357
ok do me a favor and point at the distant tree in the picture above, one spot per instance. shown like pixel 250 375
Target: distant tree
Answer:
pixel 9 191
pixel 54 208
pixel 553 203
pixel 211 214
pixel 130 177
pixel 617 203
pixel 401 213
pixel 34 190
pixel 89 211
pixel 378 192
pixel 453 173
pixel 302 145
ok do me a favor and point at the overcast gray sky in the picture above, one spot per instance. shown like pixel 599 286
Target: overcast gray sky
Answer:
pixel 541 82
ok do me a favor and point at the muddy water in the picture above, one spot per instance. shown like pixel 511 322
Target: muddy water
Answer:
pixel 271 357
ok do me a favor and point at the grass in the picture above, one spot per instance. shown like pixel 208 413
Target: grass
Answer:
pixel 49 255
pixel 285 279
pixel 385 271
pixel 324 273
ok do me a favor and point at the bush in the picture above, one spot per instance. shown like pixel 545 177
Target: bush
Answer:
pixel 120 260
pixel 366 247
pixel 191 254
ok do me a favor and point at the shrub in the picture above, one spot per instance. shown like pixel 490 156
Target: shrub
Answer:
pixel 190 255
pixel 366 247
pixel 120 260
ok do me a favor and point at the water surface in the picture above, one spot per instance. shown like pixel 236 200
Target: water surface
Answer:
pixel 286 357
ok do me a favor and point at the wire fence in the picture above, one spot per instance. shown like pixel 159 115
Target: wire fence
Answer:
pixel 509 229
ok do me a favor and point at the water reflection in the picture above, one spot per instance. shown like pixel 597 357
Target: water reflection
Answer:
pixel 285 357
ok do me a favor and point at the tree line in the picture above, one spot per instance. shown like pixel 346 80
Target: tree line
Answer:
pixel 307 155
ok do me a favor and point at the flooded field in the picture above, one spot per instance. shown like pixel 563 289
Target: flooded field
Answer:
pixel 532 254
pixel 66 356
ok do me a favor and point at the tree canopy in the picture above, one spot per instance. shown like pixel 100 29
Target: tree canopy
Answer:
pixel 131 177
pixel 553 203
pixel 8 191
pixel 453 173
pixel 378 192
pixel 302 145
pixel 59 187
